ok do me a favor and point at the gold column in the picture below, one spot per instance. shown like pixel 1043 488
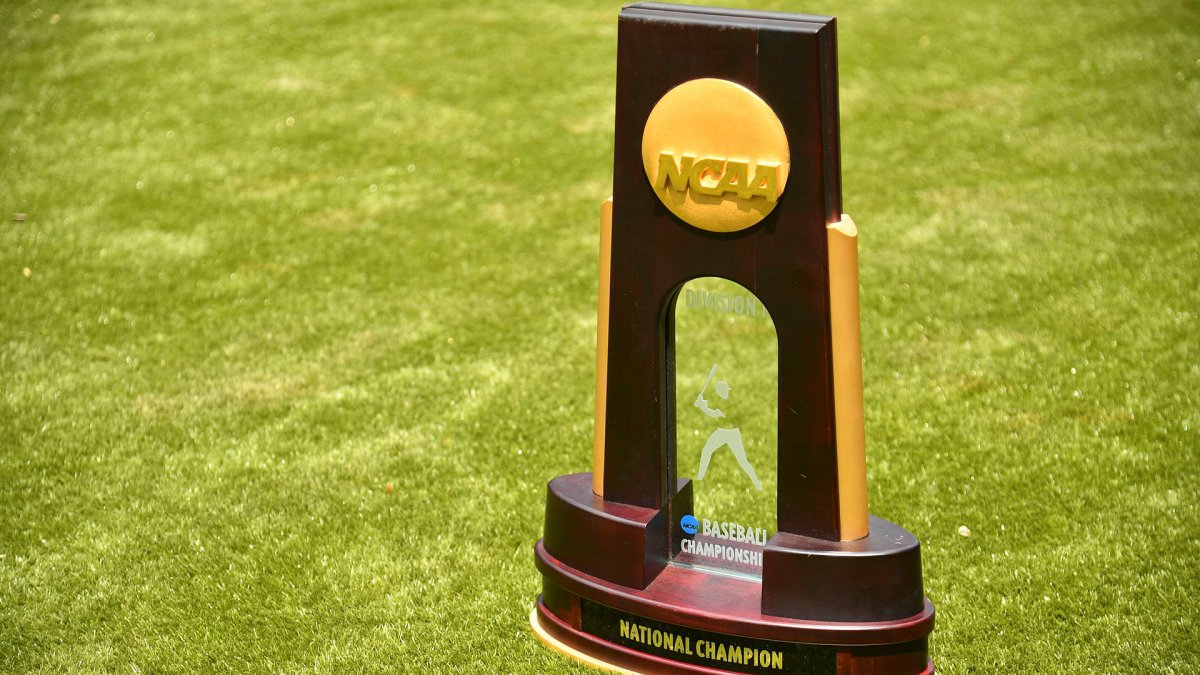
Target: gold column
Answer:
pixel 846 335
pixel 602 345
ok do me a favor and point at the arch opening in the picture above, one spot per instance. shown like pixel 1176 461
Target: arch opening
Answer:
pixel 725 357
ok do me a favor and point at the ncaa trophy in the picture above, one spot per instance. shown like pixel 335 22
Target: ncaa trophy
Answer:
pixel 724 525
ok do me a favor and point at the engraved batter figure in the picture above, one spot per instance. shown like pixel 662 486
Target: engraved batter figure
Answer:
pixel 722 436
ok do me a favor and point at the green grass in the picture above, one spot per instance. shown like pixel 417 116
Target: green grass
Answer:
pixel 280 257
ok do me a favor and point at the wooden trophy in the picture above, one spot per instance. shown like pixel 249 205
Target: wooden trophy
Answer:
pixel 727 166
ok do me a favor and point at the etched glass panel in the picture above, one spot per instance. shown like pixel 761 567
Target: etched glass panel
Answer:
pixel 726 420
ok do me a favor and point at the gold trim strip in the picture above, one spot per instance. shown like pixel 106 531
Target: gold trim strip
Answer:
pixel 846 334
pixel 535 622
pixel 602 345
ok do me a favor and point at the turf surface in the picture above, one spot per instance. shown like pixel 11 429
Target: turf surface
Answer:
pixel 276 258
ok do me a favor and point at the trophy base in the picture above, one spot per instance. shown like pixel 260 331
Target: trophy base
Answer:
pixel 604 655
pixel 613 601
pixel 657 630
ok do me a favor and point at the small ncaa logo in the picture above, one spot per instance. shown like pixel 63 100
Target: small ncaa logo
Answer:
pixel 689 524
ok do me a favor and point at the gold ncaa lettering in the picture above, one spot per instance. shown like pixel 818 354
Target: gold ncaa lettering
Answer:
pixel 715 177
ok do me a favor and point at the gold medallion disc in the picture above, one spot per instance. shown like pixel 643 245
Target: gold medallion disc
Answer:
pixel 716 154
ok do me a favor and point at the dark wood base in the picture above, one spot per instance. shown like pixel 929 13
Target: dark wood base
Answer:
pixel 687 602
pixel 609 591
pixel 601 653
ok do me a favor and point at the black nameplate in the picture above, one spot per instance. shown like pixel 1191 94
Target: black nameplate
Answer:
pixel 705 648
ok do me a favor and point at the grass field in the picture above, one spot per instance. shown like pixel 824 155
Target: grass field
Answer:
pixel 279 257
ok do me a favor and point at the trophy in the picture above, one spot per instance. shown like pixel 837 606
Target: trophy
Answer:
pixel 724 525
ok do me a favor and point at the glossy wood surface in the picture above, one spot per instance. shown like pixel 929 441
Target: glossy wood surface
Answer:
pixel 791 64
pixel 722 604
pixel 628 545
